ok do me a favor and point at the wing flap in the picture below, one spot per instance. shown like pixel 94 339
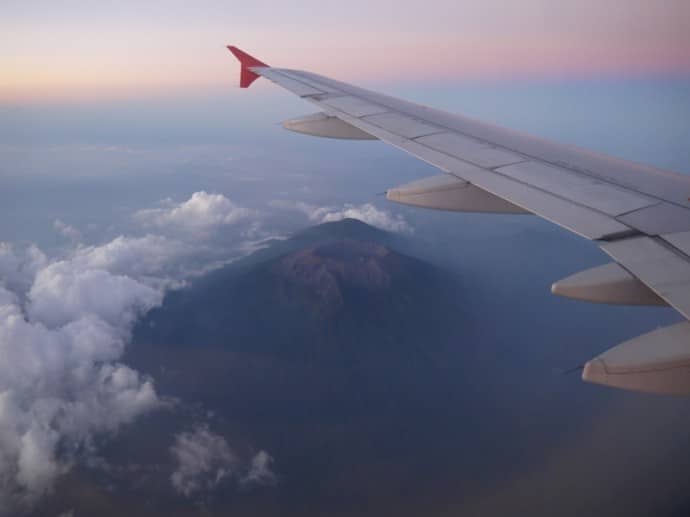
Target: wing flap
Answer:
pixel 658 265
pixel 354 106
pixel 402 125
pixel 472 150
pixel 680 240
pixel 658 219
pixel 581 189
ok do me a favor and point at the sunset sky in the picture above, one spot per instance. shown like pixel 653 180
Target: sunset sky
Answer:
pixel 75 50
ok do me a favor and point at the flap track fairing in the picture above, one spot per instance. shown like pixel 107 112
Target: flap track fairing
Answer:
pixel 327 126
pixel 447 192
pixel 656 362
pixel 609 283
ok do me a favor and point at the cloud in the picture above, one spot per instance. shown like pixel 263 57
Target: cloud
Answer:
pixel 67 231
pixel 370 215
pixel 64 292
pixel 200 213
pixel 18 268
pixel 64 325
pixel 151 259
pixel 61 384
pixel 204 460
pixel 367 213
pixel 260 471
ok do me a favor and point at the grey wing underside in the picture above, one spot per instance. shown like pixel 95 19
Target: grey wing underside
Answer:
pixel 639 215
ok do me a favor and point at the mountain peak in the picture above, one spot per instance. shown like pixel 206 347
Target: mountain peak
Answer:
pixel 347 228
pixel 327 271
pixel 314 293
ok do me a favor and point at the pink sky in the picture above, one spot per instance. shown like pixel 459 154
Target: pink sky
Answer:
pixel 77 49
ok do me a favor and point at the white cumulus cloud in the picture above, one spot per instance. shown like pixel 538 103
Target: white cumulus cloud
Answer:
pixel 64 292
pixel 201 212
pixel 64 324
pixel 367 213
pixel 62 333
pixel 138 256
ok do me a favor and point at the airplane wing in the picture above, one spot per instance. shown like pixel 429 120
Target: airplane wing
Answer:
pixel 639 215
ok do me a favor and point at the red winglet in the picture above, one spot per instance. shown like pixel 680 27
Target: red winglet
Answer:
pixel 247 77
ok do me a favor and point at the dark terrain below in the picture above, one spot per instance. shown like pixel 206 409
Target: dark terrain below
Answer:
pixel 381 384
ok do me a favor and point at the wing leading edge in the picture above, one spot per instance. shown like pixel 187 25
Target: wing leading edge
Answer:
pixel 639 215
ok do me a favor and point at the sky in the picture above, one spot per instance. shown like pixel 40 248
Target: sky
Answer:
pixel 131 163
pixel 79 49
